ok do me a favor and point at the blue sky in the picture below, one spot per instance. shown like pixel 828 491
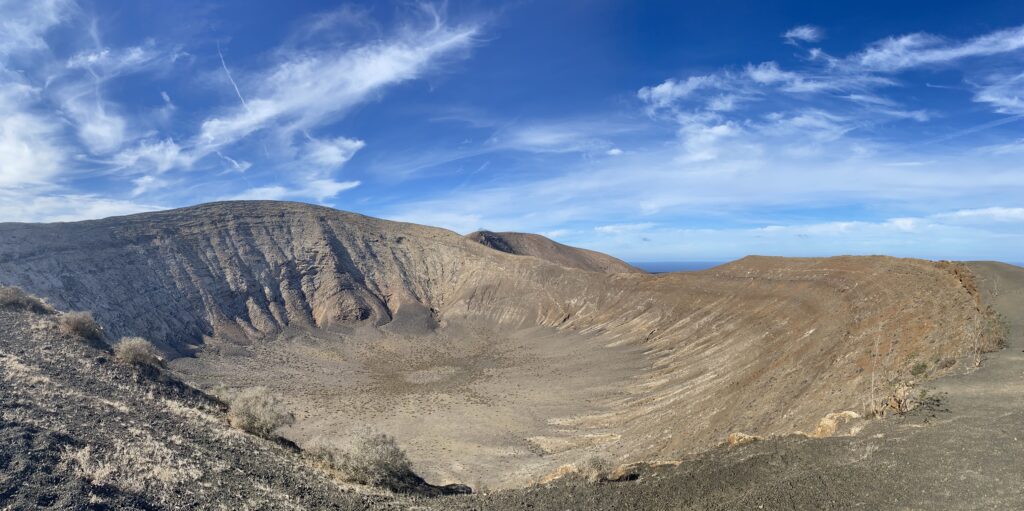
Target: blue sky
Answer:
pixel 648 130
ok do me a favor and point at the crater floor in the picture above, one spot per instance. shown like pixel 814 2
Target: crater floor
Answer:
pixel 469 403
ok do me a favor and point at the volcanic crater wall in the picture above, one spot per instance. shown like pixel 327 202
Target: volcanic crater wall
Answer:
pixel 763 344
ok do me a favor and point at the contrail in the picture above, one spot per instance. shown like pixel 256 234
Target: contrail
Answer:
pixel 241 167
pixel 230 79
pixel 974 129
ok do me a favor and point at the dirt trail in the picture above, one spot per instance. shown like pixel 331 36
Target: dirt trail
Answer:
pixel 997 388
pixel 961 451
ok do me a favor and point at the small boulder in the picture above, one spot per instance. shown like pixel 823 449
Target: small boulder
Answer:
pixel 737 438
pixel 829 424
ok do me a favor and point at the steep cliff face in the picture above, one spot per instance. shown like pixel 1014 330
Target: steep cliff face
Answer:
pixel 242 268
pixel 538 246
pixel 762 345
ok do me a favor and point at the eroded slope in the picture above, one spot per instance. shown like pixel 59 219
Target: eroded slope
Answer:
pixel 960 450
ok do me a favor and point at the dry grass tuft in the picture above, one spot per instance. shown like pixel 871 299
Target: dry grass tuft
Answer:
pixel 596 469
pixel 257 411
pixel 16 298
pixel 81 324
pixel 376 460
pixel 137 351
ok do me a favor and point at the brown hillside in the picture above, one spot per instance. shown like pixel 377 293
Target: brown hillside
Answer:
pixel 538 246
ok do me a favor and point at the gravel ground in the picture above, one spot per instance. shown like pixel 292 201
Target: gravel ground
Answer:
pixel 79 431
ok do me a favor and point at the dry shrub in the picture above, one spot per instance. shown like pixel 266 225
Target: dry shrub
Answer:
pixel 222 392
pixel 137 351
pixel 376 459
pixel 16 298
pixel 81 324
pixel 257 411
pixel 919 369
pixel 596 469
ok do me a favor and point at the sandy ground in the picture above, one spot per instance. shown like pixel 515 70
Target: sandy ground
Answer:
pixel 469 404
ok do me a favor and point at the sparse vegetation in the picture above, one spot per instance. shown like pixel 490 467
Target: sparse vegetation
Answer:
pixel 919 369
pixel 81 324
pixel 376 459
pixel 596 469
pixel 137 351
pixel 16 298
pixel 257 411
pixel 222 392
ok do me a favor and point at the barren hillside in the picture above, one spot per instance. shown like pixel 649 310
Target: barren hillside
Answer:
pixel 80 431
pixel 497 366
pixel 538 246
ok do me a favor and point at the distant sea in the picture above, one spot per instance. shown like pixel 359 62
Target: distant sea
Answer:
pixel 670 266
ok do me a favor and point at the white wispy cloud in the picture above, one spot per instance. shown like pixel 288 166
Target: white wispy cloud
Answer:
pixel 235 165
pixel 764 137
pixel 30 152
pixel 100 124
pixel 657 185
pixel 560 136
pixel 64 207
pixel 994 214
pixel 25 24
pixel 1004 93
pixel 621 228
pixel 31 148
pixel 805 33
pixel 106 63
pixel 146 184
pixel 157 156
pixel 557 233
pixel 310 84
pixel 307 88
pixel 921 49
pixel 319 190
pixel 99 128
pixel 723 112
pixel 670 91
pixel 330 154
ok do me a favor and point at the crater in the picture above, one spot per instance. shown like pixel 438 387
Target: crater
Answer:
pixel 497 365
